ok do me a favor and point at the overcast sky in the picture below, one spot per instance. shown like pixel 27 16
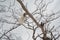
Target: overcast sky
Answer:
pixel 55 6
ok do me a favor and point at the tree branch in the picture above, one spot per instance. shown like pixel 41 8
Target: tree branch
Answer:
pixel 9 30
pixel 30 15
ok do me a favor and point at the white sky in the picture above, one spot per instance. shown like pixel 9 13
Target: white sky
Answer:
pixel 53 6
pixel 31 7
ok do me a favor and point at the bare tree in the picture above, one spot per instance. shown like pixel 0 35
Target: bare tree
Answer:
pixel 33 21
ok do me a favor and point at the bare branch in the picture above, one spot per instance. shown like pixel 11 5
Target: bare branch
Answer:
pixel 27 12
pixel 10 30
pixel 8 37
